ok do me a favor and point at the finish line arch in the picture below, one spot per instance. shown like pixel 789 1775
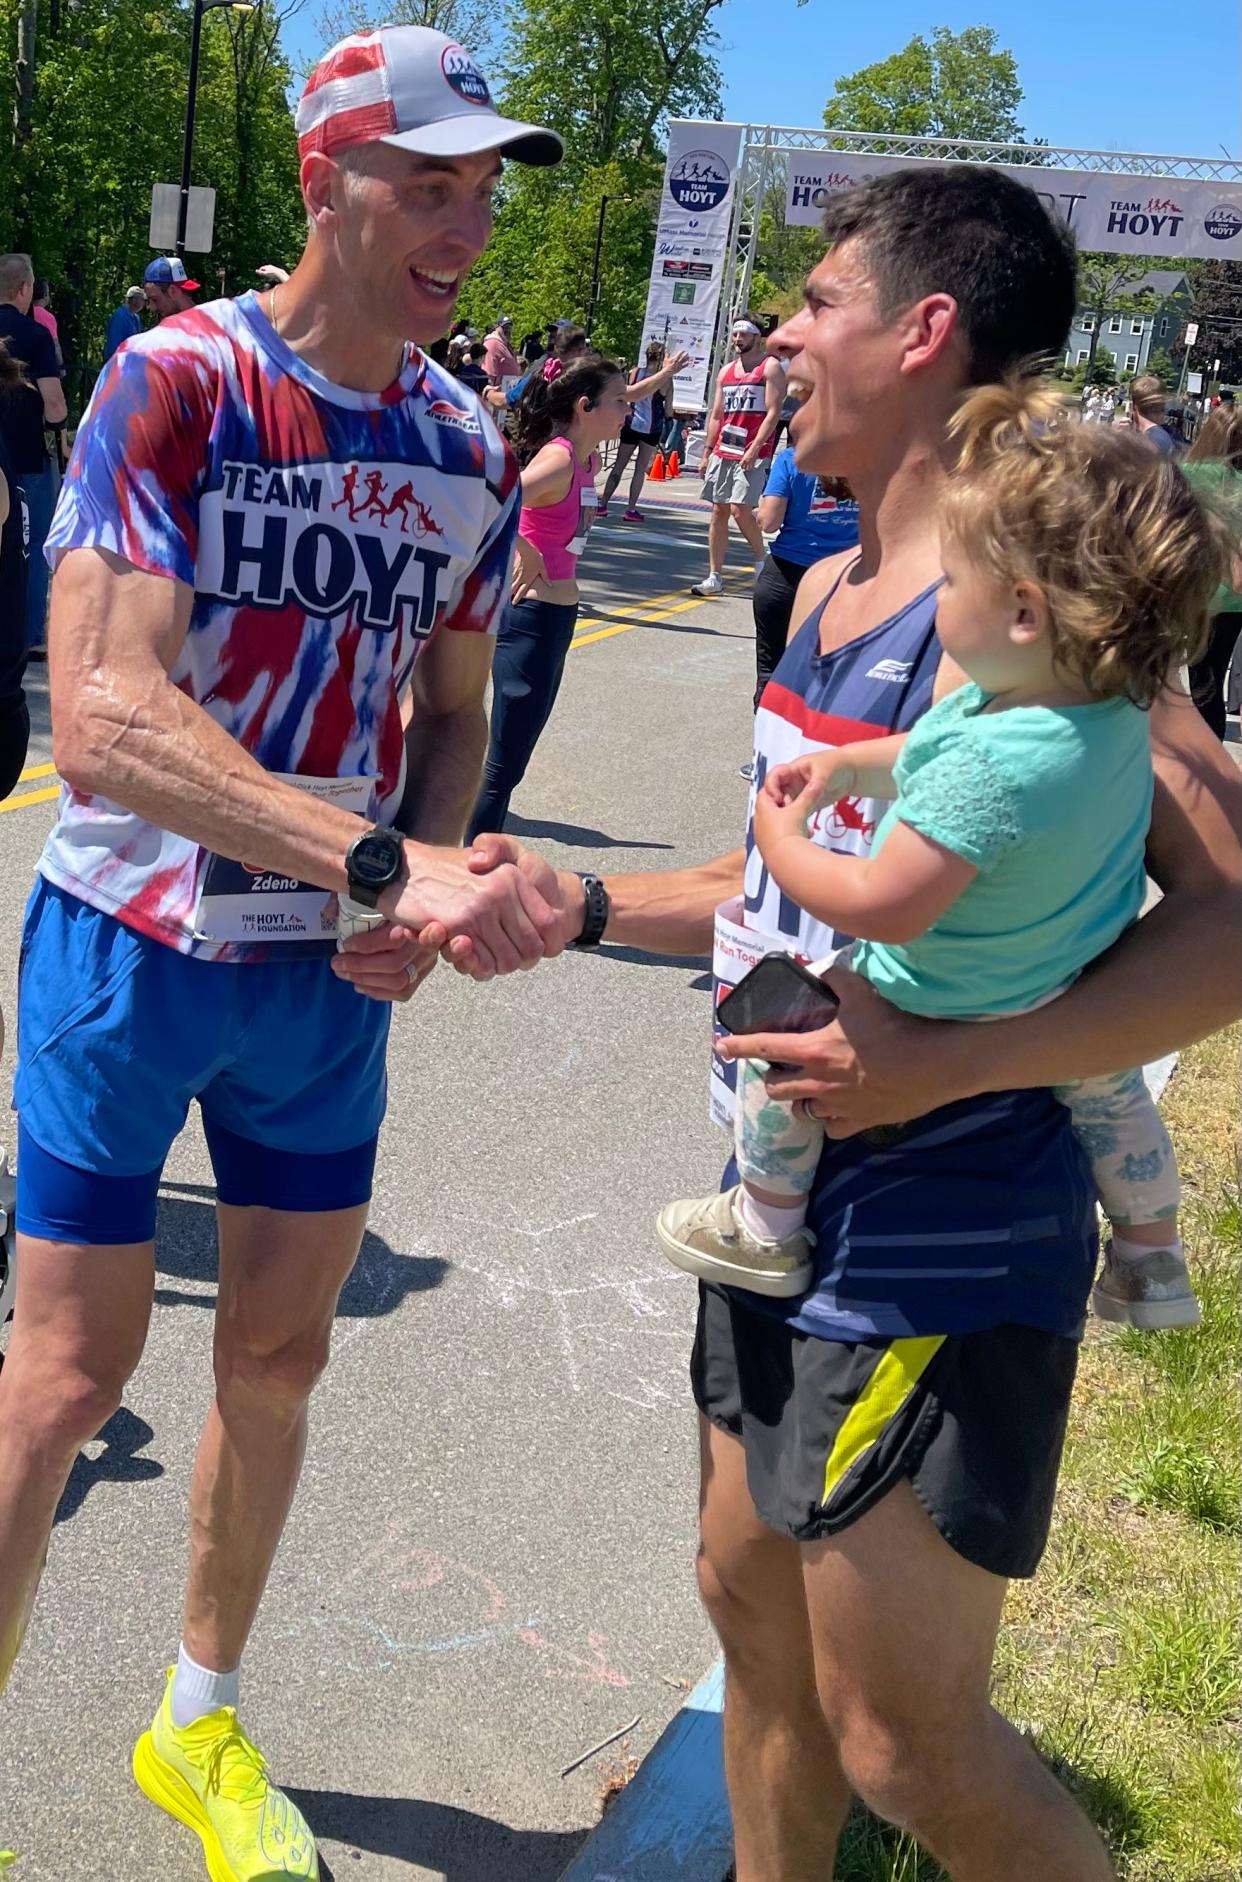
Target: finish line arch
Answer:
pixel 718 176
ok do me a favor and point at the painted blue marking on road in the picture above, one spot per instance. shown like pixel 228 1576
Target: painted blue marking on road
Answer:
pixel 671 1822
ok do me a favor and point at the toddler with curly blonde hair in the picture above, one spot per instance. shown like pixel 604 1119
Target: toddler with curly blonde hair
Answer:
pixel 1079 568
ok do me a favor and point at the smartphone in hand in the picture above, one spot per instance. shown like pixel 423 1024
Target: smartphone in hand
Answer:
pixel 777 995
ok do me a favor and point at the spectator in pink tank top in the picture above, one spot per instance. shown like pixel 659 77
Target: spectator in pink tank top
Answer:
pixel 559 425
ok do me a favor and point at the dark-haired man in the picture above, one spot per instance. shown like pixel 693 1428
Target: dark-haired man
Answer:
pixel 880 1456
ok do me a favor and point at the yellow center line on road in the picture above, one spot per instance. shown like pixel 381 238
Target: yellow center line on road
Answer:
pixel 37 771
pixel 650 612
pixel 30 797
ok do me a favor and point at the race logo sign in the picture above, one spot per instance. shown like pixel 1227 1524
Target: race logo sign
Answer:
pixel 699 180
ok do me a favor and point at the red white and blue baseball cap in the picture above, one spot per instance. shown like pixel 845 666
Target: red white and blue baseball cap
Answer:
pixel 168 271
pixel 417 89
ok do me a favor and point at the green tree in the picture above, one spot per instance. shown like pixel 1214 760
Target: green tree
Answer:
pixel 608 76
pixel 1216 291
pixel 953 85
pixel 1162 364
pixel 472 23
pixel 639 65
pixel 106 114
pixel 1100 371
pixel 1109 284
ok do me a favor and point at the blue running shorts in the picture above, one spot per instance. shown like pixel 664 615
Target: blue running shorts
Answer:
pixel 117 1033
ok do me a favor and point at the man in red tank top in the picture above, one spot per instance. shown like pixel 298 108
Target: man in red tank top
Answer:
pixel 746 411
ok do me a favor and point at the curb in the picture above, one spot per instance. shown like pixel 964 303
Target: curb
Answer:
pixel 671 1822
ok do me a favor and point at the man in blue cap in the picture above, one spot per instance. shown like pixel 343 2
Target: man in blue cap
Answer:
pixel 168 287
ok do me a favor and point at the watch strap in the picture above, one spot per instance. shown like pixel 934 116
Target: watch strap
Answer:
pixel 596 907
pixel 355 918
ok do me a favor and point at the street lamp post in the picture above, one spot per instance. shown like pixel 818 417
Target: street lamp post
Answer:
pixel 593 305
pixel 187 149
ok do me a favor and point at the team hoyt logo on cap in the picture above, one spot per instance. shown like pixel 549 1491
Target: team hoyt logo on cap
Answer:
pixel 416 88
pixel 464 76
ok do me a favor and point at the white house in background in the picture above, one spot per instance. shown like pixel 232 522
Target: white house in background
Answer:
pixel 1132 338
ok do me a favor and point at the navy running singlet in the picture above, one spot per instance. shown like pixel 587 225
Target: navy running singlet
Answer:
pixel 984 1212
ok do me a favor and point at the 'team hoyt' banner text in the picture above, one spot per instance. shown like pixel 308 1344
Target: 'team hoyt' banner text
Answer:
pixel 1124 215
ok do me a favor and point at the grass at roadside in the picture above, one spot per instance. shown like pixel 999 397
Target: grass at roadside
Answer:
pixel 1120 1660
pixel 1123 1654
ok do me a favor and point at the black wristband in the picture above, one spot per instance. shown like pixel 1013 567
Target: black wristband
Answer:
pixel 596 908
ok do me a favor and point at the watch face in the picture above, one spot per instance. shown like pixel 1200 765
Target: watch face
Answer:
pixel 375 859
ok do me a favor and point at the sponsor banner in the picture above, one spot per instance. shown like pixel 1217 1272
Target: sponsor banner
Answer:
pixel 696 202
pixel 1121 215
pixel 688 248
pixel 735 950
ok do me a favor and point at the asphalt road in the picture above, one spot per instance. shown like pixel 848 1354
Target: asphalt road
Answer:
pixel 489 1566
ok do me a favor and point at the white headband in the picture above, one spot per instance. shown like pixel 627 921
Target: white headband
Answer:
pixel 746 326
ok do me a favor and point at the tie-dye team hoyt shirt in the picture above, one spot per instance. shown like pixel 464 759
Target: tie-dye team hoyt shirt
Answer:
pixel 327 535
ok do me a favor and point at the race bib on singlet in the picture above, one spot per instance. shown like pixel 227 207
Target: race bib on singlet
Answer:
pixel 735 950
pixel 733 438
pixel 586 510
pixel 238 902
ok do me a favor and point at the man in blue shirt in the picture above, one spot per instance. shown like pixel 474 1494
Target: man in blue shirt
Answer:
pixel 124 322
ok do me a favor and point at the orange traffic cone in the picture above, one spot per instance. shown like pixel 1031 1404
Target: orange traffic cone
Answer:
pixel 656 473
pixel 674 464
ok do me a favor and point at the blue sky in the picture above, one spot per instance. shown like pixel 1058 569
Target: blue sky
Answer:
pixel 1141 76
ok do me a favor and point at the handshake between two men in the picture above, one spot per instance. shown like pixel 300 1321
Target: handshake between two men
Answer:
pixel 492 909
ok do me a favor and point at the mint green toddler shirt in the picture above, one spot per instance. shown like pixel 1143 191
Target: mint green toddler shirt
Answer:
pixel 1051 804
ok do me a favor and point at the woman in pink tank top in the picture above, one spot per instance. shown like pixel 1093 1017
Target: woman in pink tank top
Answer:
pixel 559 425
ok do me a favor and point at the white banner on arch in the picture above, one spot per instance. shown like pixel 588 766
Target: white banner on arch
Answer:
pixel 1123 215
pixel 692 238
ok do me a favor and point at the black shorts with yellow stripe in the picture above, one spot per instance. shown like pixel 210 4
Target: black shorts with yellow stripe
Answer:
pixel 975 1421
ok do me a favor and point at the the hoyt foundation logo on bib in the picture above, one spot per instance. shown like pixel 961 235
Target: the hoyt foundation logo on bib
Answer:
pixel 327 538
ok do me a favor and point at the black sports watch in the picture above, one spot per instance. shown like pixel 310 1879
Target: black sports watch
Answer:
pixel 373 862
pixel 595 911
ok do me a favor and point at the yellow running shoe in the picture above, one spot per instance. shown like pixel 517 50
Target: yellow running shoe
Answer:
pixel 210 1776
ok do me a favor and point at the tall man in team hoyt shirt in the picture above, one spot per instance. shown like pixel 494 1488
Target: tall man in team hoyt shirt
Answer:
pixel 741 429
pixel 278 515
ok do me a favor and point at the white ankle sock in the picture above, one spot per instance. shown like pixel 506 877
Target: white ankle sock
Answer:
pixel 1126 1250
pixel 770 1221
pixel 197 1690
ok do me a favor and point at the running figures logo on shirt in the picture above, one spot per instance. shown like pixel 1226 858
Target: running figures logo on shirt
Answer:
pixel 896 670
pixel 700 180
pixel 1223 223
pixel 464 76
pixel 324 538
